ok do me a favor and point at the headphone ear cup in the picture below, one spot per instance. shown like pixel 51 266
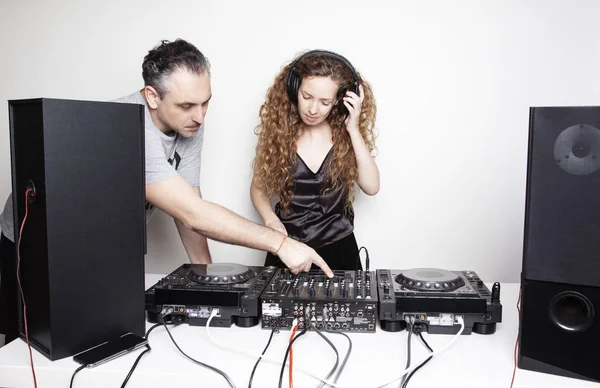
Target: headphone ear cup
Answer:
pixel 341 107
pixel 292 86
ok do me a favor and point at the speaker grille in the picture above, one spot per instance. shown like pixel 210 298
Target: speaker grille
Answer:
pixel 562 214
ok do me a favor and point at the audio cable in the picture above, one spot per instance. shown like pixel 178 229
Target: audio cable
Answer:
pixel 217 370
pixel 29 193
pixel 409 326
pixel 260 358
pixel 367 261
pixel 421 364
pixel 137 360
pixel 337 356
pixel 287 351
pixel 459 320
pixel 345 360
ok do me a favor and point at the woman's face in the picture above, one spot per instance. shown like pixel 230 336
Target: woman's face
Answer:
pixel 316 98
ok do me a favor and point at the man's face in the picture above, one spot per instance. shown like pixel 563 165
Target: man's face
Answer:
pixel 183 105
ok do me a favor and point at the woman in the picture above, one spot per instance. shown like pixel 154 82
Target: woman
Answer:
pixel 315 143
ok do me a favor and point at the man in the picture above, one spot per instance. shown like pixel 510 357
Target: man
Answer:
pixel 176 95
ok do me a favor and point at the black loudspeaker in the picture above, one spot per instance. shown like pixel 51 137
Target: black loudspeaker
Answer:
pixel 559 329
pixel 82 245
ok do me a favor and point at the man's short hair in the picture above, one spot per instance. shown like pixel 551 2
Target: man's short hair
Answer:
pixel 166 57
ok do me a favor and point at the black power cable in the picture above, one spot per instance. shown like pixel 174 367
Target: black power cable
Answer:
pixel 262 354
pixel 137 360
pixel 420 365
pixel 74 373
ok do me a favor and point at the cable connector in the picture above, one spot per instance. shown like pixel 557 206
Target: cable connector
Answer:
pixel 419 328
pixel 30 189
pixel 166 311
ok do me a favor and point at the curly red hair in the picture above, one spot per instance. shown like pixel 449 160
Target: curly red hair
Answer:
pixel 280 126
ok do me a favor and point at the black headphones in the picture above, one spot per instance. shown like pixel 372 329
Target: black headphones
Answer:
pixel 293 80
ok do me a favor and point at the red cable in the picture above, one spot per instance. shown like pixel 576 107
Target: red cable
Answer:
pixel 292 355
pixel 517 342
pixel 21 288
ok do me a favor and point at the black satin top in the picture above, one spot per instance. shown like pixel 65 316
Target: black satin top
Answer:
pixel 312 218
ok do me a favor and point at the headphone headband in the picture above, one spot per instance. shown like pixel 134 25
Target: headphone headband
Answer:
pixel 293 81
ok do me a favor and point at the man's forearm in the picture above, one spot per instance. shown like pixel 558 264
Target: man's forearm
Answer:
pixel 195 245
pixel 219 223
pixel 178 199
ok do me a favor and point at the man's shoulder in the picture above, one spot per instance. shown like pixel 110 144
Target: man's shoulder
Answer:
pixel 133 98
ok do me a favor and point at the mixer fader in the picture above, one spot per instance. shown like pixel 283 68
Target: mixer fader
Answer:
pixel 346 302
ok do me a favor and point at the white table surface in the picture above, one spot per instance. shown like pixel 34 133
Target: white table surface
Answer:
pixel 472 361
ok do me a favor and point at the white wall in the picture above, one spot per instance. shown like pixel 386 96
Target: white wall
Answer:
pixel 453 82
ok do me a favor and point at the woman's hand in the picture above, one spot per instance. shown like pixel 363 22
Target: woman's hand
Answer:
pixel 353 103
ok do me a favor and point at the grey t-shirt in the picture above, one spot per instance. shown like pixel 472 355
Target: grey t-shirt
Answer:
pixel 166 157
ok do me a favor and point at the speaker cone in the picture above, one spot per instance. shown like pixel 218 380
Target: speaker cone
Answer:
pixel 571 311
